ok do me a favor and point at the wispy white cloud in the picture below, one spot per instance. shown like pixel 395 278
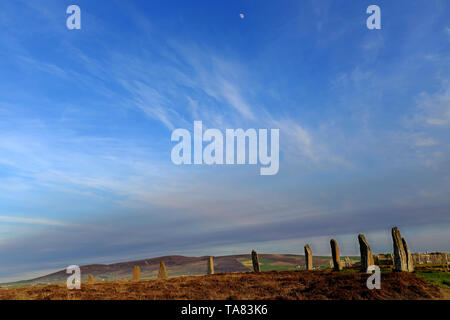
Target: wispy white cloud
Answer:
pixel 373 44
pixel 232 95
pixel 434 108
pixel 35 221
pixel 219 78
pixel 153 103
pixel 425 142
pixel 298 141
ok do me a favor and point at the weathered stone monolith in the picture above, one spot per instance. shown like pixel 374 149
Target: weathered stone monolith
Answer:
pixel 409 258
pixel 337 265
pixel 90 279
pixel 400 259
pixel 348 262
pixel 210 265
pixel 446 261
pixel 308 258
pixel 136 273
pixel 366 254
pixel 162 274
pixel 255 261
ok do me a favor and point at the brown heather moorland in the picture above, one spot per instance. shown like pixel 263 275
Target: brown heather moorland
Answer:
pixel 293 285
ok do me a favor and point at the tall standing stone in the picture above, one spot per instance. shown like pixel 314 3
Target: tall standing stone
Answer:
pixel 409 258
pixel 400 259
pixel 446 261
pixel 136 273
pixel 210 265
pixel 308 258
pixel 162 274
pixel 255 261
pixel 348 262
pixel 337 265
pixel 90 279
pixel 376 259
pixel 366 254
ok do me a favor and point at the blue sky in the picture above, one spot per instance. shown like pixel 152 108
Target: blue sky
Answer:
pixel 86 118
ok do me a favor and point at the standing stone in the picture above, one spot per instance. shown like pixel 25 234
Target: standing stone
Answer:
pixel 337 266
pixel 376 259
pixel 366 254
pixel 210 265
pixel 162 274
pixel 446 261
pixel 308 258
pixel 255 260
pixel 400 259
pixel 90 279
pixel 136 273
pixel 409 258
pixel 348 262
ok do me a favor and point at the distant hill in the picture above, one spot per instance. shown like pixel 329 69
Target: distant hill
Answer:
pixel 179 266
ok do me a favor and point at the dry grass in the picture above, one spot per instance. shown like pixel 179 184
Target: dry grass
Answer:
pixel 299 285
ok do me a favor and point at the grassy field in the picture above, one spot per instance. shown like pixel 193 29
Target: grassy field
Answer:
pixel 438 278
pixel 277 265
pixel 297 285
pixel 270 265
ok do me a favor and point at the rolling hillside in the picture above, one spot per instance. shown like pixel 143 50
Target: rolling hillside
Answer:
pixel 178 266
